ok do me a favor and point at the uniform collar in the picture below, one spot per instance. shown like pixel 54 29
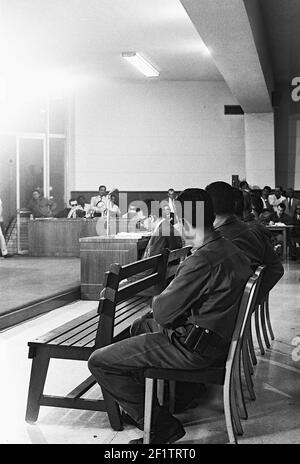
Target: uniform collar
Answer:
pixel 229 220
pixel 210 237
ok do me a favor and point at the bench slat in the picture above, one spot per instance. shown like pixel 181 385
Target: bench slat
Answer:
pixel 48 337
pixel 76 330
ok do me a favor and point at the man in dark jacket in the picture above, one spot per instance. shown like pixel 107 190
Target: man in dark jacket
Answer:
pixel 250 237
pixel 205 292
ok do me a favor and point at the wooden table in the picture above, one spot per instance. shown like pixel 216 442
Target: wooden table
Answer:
pixel 99 252
pixel 58 237
pixel 283 229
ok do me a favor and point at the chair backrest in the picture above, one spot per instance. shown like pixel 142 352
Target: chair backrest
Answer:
pixel 152 270
pixel 246 308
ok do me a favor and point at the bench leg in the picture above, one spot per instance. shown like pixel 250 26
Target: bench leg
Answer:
pixel 39 369
pixel 113 411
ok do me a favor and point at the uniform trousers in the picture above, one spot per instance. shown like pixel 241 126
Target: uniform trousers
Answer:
pixel 119 367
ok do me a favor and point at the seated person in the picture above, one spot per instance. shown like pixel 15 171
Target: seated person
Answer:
pixel 73 212
pixel 264 217
pixel 251 238
pixel 280 216
pixel 85 206
pixel 163 236
pixel 205 293
pixel 40 206
pixel 135 218
pixel 295 235
pixel 98 204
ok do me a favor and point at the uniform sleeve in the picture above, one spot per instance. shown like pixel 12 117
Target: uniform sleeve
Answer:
pixel 190 284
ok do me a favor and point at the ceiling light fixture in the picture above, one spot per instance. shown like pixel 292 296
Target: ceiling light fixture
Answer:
pixel 141 64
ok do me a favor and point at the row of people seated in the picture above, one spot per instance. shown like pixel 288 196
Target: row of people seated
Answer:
pixel 204 295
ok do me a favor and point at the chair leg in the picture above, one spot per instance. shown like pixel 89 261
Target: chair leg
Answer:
pixel 228 411
pixel 239 389
pixel 257 329
pixel 250 344
pixel 249 382
pixel 268 318
pixel 149 383
pixel 263 324
pixel 39 369
pixel 160 391
pixel 172 389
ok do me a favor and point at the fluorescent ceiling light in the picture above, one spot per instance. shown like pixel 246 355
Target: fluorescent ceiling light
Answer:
pixel 141 64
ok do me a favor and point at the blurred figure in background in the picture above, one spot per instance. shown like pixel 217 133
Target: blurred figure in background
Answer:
pixel 73 212
pixel 276 198
pixel 41 206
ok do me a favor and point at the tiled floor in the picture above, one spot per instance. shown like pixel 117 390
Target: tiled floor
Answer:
pixel 273 418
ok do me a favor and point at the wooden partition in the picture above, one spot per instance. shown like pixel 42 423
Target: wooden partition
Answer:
pixel 98 253
pixel 58 237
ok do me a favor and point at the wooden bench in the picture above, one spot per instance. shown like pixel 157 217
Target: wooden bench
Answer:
pixel 77 339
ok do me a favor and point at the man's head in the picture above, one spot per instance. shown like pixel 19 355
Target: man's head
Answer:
pixel 290 192
pixel 281 208
pixel 102 191
pixel 278 192
pixel 36 194
pixel 266 192
pixel 197 215
pixel 244 185
pixel 171 193
pixel 223 198
pixel 73 202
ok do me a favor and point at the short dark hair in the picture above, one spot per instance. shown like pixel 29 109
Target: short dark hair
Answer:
pixel 102 186
pixel 257 204
pixel 195 195
pixel 73 199
pixel 282 205
pixel 222 196
pixel 244 184
pixel 267 187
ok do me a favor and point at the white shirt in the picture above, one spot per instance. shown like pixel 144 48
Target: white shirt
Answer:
pixel 274 201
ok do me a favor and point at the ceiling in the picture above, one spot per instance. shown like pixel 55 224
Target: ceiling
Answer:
pixel 282 24
pixel 88 37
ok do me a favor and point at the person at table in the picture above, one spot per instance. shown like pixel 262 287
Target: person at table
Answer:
pixel 203 296
pixel 98 204
pixel 291 202
pixel 73 212
pixel 276 198
pixel 266 192
pixel 295 235
pixel 280 216
pixel 83 204
pixel 40 206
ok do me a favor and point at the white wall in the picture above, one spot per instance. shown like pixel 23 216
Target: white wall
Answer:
pixel 155 135
pixel 260 149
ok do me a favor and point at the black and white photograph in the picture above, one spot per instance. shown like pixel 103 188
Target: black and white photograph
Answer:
pixel 150 225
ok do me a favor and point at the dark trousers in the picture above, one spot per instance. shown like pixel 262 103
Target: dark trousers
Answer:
pixel 119 367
